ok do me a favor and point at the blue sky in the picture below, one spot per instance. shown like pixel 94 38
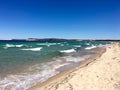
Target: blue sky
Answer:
pixel 81 19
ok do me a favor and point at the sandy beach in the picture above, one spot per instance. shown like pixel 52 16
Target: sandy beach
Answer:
pixel 101 72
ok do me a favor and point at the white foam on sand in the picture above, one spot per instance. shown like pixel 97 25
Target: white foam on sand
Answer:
pixel 33 49
pixel 68 51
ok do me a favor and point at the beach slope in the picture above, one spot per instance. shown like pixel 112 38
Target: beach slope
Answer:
pixel 101 74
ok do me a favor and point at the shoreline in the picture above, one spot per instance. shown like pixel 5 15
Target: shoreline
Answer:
pixel 61 75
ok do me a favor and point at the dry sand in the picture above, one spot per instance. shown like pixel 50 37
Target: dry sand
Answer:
pixel 99 73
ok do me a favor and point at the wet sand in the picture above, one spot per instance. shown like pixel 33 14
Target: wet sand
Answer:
pixel 100 72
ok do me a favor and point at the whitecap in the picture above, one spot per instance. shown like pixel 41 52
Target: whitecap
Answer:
pixel 19 45
pixel 87 43
pixel 68 51
pixel 47 44
pixel 77 45
pixel 9 45
pixel 33 49
pixel 42 44
pixel 12 45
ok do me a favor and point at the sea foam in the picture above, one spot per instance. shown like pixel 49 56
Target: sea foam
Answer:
pixel 33 75
pixel 12 45
pixel 68 51
pixel 75 59
pixel 19 45
pixel 87 43
pixel 33 49
pixel 36 73
pixel 9 45
pixel 47 44
pixel 25 80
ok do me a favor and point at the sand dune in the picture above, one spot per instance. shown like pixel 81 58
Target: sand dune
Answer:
pixel 99 73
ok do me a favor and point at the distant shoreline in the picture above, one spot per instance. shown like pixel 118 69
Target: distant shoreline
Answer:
pixel 59 40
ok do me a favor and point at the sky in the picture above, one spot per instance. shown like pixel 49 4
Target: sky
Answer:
pixel 72 19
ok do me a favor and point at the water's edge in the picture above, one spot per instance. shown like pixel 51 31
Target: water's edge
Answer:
pixel 82 64
pixel 23 65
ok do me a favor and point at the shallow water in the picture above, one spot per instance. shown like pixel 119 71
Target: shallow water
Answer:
pixel 23 64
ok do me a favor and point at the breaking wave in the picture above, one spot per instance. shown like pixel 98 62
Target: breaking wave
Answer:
pixel 68 51
pixel 37 73
pixel 33 49
pixel 47 44
pixel 12 45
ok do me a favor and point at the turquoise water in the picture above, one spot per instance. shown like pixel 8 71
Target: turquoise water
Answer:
pixel 23 64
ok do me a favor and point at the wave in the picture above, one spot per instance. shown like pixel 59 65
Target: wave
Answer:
pixel 68 51
pixel 87 43
pixel 91 47
pixel 100 45
pixel 75 59
pixel 12 45
pixel 25 80
pixel 77 45
pixel 33 49
pixel 58 66
pixel 33 75
pixel 37 73
pixel 61 44
pixel 19 45
pixel 47 44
